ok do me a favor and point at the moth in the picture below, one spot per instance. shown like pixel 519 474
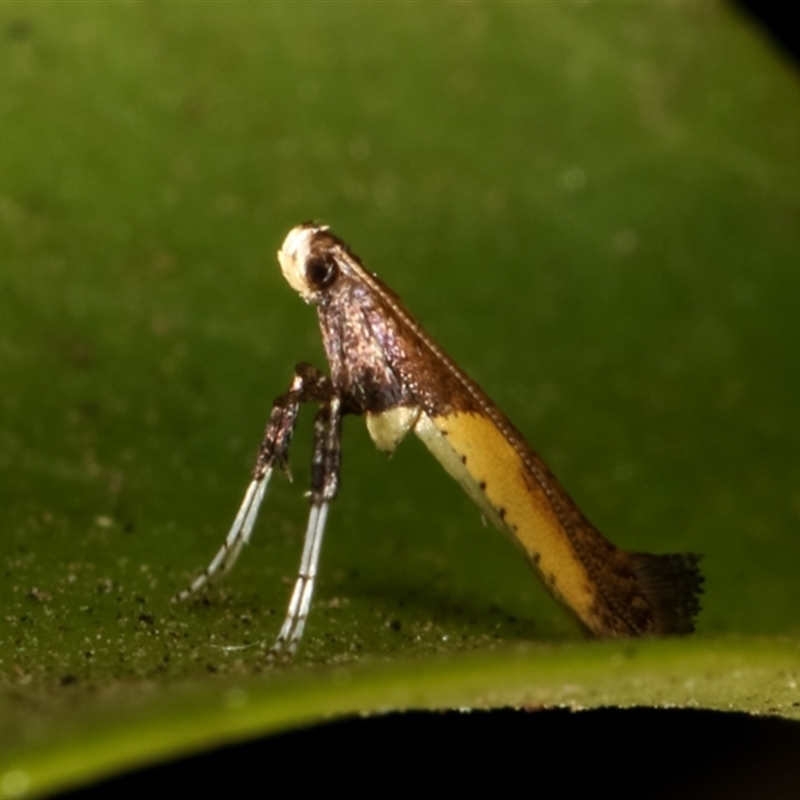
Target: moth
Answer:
pixel 384 367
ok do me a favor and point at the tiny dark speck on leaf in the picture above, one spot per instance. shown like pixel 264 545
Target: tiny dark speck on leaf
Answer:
pixel 148 619
pixel 395 625
pixel 76 352
pixel 18 29
pixel 195 109
pixel 69 680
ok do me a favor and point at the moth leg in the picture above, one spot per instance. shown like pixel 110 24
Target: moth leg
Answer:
pixel 308 385
pixel 324 485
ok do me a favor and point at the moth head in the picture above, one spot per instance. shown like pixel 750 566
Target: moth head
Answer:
pixel 308 262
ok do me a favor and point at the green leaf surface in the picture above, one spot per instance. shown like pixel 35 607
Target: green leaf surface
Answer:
pixel 592 207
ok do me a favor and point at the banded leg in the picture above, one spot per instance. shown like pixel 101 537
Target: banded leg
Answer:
pixel 308 385
pixel 324 485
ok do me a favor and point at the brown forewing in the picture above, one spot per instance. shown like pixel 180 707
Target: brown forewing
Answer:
pixel 378 354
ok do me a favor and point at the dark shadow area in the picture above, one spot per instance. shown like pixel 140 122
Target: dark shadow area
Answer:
pixel 778 20
pixel 642 753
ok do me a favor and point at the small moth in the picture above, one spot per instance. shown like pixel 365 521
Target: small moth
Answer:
pixel 383 366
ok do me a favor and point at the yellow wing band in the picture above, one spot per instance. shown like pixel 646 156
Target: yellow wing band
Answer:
pixel 472 449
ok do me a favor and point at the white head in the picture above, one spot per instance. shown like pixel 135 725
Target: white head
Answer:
pixel 294 254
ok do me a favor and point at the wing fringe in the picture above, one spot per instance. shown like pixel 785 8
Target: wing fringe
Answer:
pixel 672 584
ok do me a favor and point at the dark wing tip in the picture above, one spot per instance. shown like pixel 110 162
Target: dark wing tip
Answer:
pixel 672 584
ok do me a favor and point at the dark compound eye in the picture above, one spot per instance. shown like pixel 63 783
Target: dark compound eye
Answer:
pixel 321 271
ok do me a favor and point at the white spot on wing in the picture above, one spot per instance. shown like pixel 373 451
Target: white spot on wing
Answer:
pixel 388 428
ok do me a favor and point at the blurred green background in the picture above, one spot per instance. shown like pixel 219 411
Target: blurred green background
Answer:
pixel 592 207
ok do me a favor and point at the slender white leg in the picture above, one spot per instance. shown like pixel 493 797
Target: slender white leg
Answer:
pixel 308 385
pixel 238 536
pixel 324 485
pixel 297 613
